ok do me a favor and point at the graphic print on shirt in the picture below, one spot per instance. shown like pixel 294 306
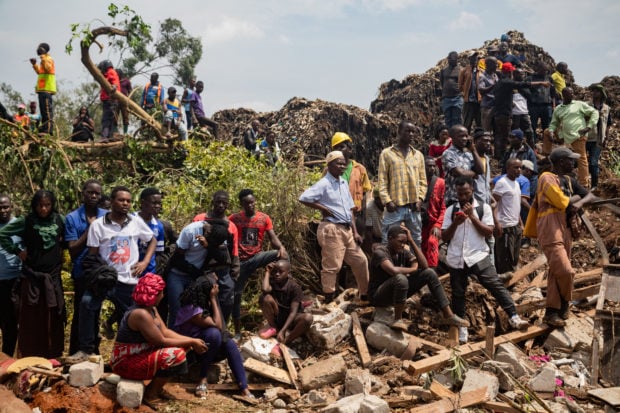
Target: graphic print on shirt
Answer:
pixel 119 250
pixel 249 236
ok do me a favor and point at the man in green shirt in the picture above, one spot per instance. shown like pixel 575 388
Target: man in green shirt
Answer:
pixel 571 122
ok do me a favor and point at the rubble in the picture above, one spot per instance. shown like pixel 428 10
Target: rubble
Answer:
pixel 330 329
pixel 577 332
pixel 545 380
pixel 323 373
pixel 512 355
pixel 357 381
pixel 475 379
pixel 129 393
pixel 86 374
pixel 382 337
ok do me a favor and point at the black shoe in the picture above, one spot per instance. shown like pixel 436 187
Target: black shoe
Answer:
pixel 554 320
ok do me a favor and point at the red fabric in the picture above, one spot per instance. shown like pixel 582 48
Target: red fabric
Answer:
pixel 436 212
pixel 147 289
pixel 112 77
pixel 251 232
pixel 232 229
pixel 140 361
pixel 435 151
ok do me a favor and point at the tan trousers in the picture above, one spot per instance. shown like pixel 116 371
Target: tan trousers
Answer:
pixel 561 274
pixel 338 245
pixel 583 174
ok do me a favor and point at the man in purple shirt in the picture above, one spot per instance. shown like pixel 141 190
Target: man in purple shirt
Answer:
pixel 195 102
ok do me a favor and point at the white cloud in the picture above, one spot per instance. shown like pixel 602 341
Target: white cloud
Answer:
pixel 229 28
pixel 465 20
pixel 284 39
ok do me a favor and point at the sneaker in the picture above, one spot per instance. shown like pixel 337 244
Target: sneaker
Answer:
pixel 526 243
pixel 463 335
pixel 267 333
pixel 554 320
pixel 77 357
pixel 455 320
pixel 518 323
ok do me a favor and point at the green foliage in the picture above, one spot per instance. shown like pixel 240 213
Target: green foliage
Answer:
pixel 67 103
pixel 458 366
pixel 10 97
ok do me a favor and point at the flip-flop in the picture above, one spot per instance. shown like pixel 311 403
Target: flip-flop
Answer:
pixel 201 390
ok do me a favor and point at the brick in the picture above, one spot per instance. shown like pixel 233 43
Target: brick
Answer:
pixel 323 373
pixel 330 329
pixel 357 381
pixel 129 393
pixel 86 373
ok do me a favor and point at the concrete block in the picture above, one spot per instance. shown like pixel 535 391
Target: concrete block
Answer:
pixel 382 337
pixel 383 315
pixel 511 354
pixel 129 393
pixel 257 348
pixel 475 379
pixel 315 397
pixel 330 329
pixel 501 371
pixel 577 332
pixel 272 393
pixel 86 373
pixel 374 404
pixel 323 373
pixel 544 381
pixel 357 381
pixel 350 404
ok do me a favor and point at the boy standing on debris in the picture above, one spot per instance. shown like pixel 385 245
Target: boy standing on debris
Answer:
pixel 466 226
pixel 281 304
pixel 46 86
pixel 398 273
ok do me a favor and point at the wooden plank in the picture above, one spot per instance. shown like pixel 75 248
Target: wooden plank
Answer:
pixel 471 398
pixel 500 407
pixel 429 345
pixel 265 370
pixel 470 350
pixel 597 238
pixel 527 269
pixel 290 366
pixel 360 341
pixel 539 280
pixel 412 347
pixel 440 391
pixel 490 341
pixel 613 208
pixel 453 335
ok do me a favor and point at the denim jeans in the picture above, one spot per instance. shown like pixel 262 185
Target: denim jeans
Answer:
pixel 226 296
pixel 248 267
pixel 218 350
pixel 452 108
pixel 177 282
pixel 594 153
pixel 411 218
pixel 90 307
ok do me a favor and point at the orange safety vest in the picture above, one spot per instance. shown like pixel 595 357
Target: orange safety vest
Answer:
pixel 146 92
pixel 46 80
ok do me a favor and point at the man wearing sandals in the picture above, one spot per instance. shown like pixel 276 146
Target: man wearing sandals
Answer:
pixel 397 273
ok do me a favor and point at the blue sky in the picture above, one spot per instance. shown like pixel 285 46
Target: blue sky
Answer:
pixel 259 54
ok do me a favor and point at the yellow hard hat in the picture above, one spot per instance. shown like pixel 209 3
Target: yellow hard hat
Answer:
pixel 340 137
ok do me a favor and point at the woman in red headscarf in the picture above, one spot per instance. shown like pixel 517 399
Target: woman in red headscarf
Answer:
pixel 145 348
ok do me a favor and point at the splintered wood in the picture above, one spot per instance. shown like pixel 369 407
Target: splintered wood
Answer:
pixel 268 371
pixel 360 341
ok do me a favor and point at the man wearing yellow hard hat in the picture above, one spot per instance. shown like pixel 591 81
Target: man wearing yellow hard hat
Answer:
pixel 355 173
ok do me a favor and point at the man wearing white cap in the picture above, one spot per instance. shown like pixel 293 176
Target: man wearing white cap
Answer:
pixel 337 234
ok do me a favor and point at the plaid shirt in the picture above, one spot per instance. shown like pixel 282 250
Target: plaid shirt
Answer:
pixel 402 180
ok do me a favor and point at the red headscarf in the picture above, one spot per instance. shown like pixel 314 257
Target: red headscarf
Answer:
pixel 147 289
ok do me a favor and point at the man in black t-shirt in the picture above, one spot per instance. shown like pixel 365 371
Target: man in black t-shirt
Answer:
pixel 396 273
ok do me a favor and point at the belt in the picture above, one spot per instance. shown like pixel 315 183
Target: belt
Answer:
pixel 342 224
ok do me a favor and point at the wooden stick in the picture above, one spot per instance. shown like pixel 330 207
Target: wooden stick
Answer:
pixel 440 391
pixel 360 341
pixel 597 238
pixel 527 269
pixel 264 369
pixel 453 335
pixel 490 341
pixel 470 398
pixel 290 366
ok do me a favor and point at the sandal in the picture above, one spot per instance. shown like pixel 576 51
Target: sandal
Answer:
pixel 201 391
pixel 267 333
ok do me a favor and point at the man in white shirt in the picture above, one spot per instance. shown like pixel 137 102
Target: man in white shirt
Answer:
pixel 466 225
pixel 507 193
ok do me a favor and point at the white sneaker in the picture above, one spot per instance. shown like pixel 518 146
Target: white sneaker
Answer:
pixel 463 335
pixel 77 357
pixel 518 323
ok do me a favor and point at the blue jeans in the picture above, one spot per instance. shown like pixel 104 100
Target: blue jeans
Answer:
pixel 226 296
pixel 248 267
pixel 90 307
pixel 177 282
pixel 412 221
pixel 218 350
pixel 594 153
pixel 452 108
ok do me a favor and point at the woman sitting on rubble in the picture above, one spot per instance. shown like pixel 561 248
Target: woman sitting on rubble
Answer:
pixel 145 348
pixel 83 126
pixel 200 316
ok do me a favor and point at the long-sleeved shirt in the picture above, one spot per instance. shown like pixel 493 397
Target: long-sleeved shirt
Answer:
pixel 569 118
pixel 402 180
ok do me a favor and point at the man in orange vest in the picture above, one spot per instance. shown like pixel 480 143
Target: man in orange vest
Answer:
pixel 46 87
pixel 153 95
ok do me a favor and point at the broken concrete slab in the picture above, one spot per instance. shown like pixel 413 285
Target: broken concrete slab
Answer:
pixel 475 379
pixel 85 374
pixel 329 329
pixel 512 354
pixel 609 395
pixel 272 393
pixel 350 404
pixel 382 337
pixel 384 315
pixel 258 348
pixel 315 397
pixel 544 381
pixel 502 371
pixel 129 393
pixel 374 404
pixel 577 332
pixel 357 381
pixel 323 373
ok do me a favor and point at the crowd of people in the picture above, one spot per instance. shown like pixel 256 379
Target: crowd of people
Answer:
pixel 432 206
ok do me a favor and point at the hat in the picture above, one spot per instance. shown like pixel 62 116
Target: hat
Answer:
pixel 507 67
pixel 340 137
pixel 517 133
pixel 333 155
pixel 45 47
pixel 601 88
pixel 562 152
pixel 505 38
pixel 528 165
pixel 21 106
